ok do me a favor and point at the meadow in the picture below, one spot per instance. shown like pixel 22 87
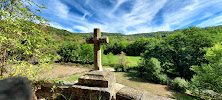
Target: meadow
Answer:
pixel 132 61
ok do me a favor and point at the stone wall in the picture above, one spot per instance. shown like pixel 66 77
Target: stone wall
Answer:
pixel 77 92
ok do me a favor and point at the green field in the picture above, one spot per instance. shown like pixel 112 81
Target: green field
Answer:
pixel 107 60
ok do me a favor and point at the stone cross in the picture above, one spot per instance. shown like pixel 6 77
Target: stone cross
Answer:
pixel 97 40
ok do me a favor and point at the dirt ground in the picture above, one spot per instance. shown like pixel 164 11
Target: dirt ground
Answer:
pixel 63 71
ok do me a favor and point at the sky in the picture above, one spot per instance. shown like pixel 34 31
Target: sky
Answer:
pixel 131 16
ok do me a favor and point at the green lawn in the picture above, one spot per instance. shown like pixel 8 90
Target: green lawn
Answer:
pixel 114 59
pixel 73 78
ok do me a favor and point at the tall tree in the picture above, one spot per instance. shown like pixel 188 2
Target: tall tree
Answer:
pixel 177 52
pixel 24 38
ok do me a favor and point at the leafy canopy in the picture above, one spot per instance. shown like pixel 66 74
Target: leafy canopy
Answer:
pixel 24 39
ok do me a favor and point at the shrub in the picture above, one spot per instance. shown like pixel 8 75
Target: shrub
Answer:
pixel 163 79
pixel 123 62
pixel 74 51
pixel 207 81
pixel 179 84
pixel 153 69
pixel 141 68
pixel 69 51
pixel 207 78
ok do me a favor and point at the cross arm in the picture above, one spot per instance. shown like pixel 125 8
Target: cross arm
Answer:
pixel 103 40
pixel 100 40
pixel 90 40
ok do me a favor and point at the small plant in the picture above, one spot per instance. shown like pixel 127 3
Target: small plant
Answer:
pixel 163 79
pixel 123 62
pixel 179 84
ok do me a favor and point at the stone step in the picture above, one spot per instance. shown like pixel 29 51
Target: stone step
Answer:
pixel 97 78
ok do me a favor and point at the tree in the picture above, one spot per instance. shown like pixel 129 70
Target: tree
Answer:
pixel 177 52
pixel 152 71
pixel 208 76
pixel 139 46
pixel 158 36
pixel 69 51
pixel 86 53
pixel 153 68
pixel 214 54
pixel 115 46
pixel 24 39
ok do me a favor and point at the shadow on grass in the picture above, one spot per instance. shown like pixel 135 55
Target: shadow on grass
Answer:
pixel 181 96
pixel 175 95
pixel 135 77
pixel 184 96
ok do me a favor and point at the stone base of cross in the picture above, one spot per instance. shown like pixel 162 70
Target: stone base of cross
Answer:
pixel 97 80
pixel 97 40
pixel 98 76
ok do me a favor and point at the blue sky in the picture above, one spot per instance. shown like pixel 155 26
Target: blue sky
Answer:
pixel 131 16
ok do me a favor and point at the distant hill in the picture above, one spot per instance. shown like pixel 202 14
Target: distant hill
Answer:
pixel 66 35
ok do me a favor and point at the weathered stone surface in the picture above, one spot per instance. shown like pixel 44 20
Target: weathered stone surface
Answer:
pixel 147 96
pixel 127 93
pixel 75 92
pixel 97 40
pixel 97 78
pixel 45 91
pixel 16 88
pixel 95 84
pixel 79 92
pixel 91 93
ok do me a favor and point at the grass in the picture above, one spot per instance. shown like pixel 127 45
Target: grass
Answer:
pixel 114 59
pixel 132 80
pixel 134 60
pixel 73 78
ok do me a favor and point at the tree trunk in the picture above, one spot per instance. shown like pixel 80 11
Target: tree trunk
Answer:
pixel 3 62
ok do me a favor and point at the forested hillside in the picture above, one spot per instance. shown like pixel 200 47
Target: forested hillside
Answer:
pixel 131 37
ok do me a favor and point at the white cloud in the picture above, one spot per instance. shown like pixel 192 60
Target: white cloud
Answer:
pixel 82 29
pixel 211 22
pixel 119 2
pixel 57 25
pixel 139 17
pixel 60 9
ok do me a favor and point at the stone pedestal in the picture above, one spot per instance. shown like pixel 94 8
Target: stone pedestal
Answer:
pixel 95 85
pixel 96 78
